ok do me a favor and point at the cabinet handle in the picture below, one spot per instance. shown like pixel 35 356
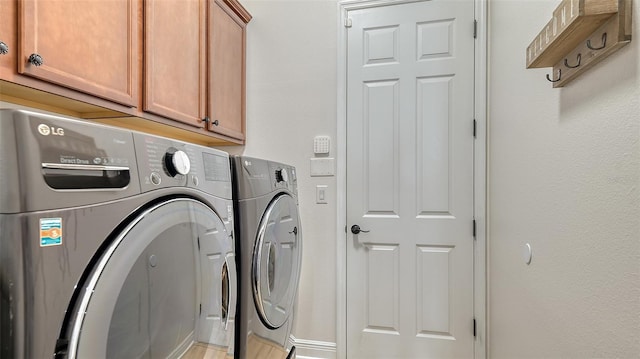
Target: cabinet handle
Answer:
pixel 4 49
pixel 208 120
pixel 36 60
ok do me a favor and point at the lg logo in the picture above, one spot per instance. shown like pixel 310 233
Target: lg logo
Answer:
pixel 46 130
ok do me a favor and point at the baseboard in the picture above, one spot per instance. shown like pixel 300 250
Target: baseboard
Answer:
pixel 313 349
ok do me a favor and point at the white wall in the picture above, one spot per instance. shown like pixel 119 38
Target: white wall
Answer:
pixel 291 97
pixel 564 176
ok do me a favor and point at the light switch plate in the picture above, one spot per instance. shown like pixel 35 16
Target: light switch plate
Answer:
pixel 320 167
pixel 321 194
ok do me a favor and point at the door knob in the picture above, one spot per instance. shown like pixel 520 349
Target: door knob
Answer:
pixel 4 48
pixel 355 229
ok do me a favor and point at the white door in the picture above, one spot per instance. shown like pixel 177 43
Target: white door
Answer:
pixel 410 76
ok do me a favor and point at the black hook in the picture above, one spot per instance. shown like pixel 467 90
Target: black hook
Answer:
pixel 604 43
pixel 559 76
pixel 566 63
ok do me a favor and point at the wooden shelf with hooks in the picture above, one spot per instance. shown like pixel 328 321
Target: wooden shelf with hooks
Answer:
pixel 580 34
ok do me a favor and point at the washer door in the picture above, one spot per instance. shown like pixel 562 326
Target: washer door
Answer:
pixel 164 288
pixel 276 261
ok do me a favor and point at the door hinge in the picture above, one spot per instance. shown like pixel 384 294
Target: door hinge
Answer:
pixel 347 22
pixel 475 29
pixel 201 314
pixel 475 126
pixel 198 243
pixel 474 327
pixel 474 228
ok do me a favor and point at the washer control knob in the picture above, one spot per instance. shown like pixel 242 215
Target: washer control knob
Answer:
pixel 281 175
pixel 177 163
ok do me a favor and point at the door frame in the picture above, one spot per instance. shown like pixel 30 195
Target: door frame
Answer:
pixel 479 182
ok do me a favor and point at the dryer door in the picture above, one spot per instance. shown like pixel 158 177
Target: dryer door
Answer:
pixel 164 288
pixel 276 261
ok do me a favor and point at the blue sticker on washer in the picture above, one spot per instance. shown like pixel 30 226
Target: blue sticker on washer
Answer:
pixel 50 232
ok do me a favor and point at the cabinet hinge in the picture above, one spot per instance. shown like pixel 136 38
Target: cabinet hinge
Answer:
pixel 474 327
pixel 475 127
pixel 474 228
pixel 475 29
pixel 347 22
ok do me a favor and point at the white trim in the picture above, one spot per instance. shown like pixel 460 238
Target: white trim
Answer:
pixel 480 182
pixel 350 5
pixel 341 188
pixel 313 349
pixel 480 173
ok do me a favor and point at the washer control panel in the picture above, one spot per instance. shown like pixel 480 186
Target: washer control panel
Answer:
pixel 164 162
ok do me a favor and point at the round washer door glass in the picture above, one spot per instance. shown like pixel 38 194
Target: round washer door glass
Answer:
pixel 164 288
pixel 276 261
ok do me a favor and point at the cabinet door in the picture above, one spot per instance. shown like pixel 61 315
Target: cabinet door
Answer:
pixel 7 36
pixel 91 46
pixel 175 50
pixel 226 71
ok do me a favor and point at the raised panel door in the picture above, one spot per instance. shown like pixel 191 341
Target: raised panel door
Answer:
pixel 90 46
pixel 410 181
pixel 174 50
pixel 7 36
pixel 226 97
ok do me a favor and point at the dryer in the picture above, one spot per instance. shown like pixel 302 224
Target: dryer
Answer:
pixel 114 243
pixel 269 249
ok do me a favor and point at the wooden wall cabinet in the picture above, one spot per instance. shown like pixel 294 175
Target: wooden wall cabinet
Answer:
pixel 90 46
pixel 7 35
pixel 195 61
pixel 174 68
pixel 175 60
pixel 226 79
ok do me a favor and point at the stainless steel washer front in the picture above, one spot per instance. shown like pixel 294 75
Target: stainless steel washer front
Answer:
pixel 143 299
pixel 114 243
pixel 269 248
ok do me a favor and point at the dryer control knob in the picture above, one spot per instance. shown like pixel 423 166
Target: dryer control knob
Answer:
pixel 177 163
pixel 281 175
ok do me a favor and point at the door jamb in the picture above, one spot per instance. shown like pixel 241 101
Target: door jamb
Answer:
pixel 480 173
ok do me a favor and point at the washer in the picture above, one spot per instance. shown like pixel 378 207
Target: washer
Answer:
pixel 114 244
pixel 269 247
